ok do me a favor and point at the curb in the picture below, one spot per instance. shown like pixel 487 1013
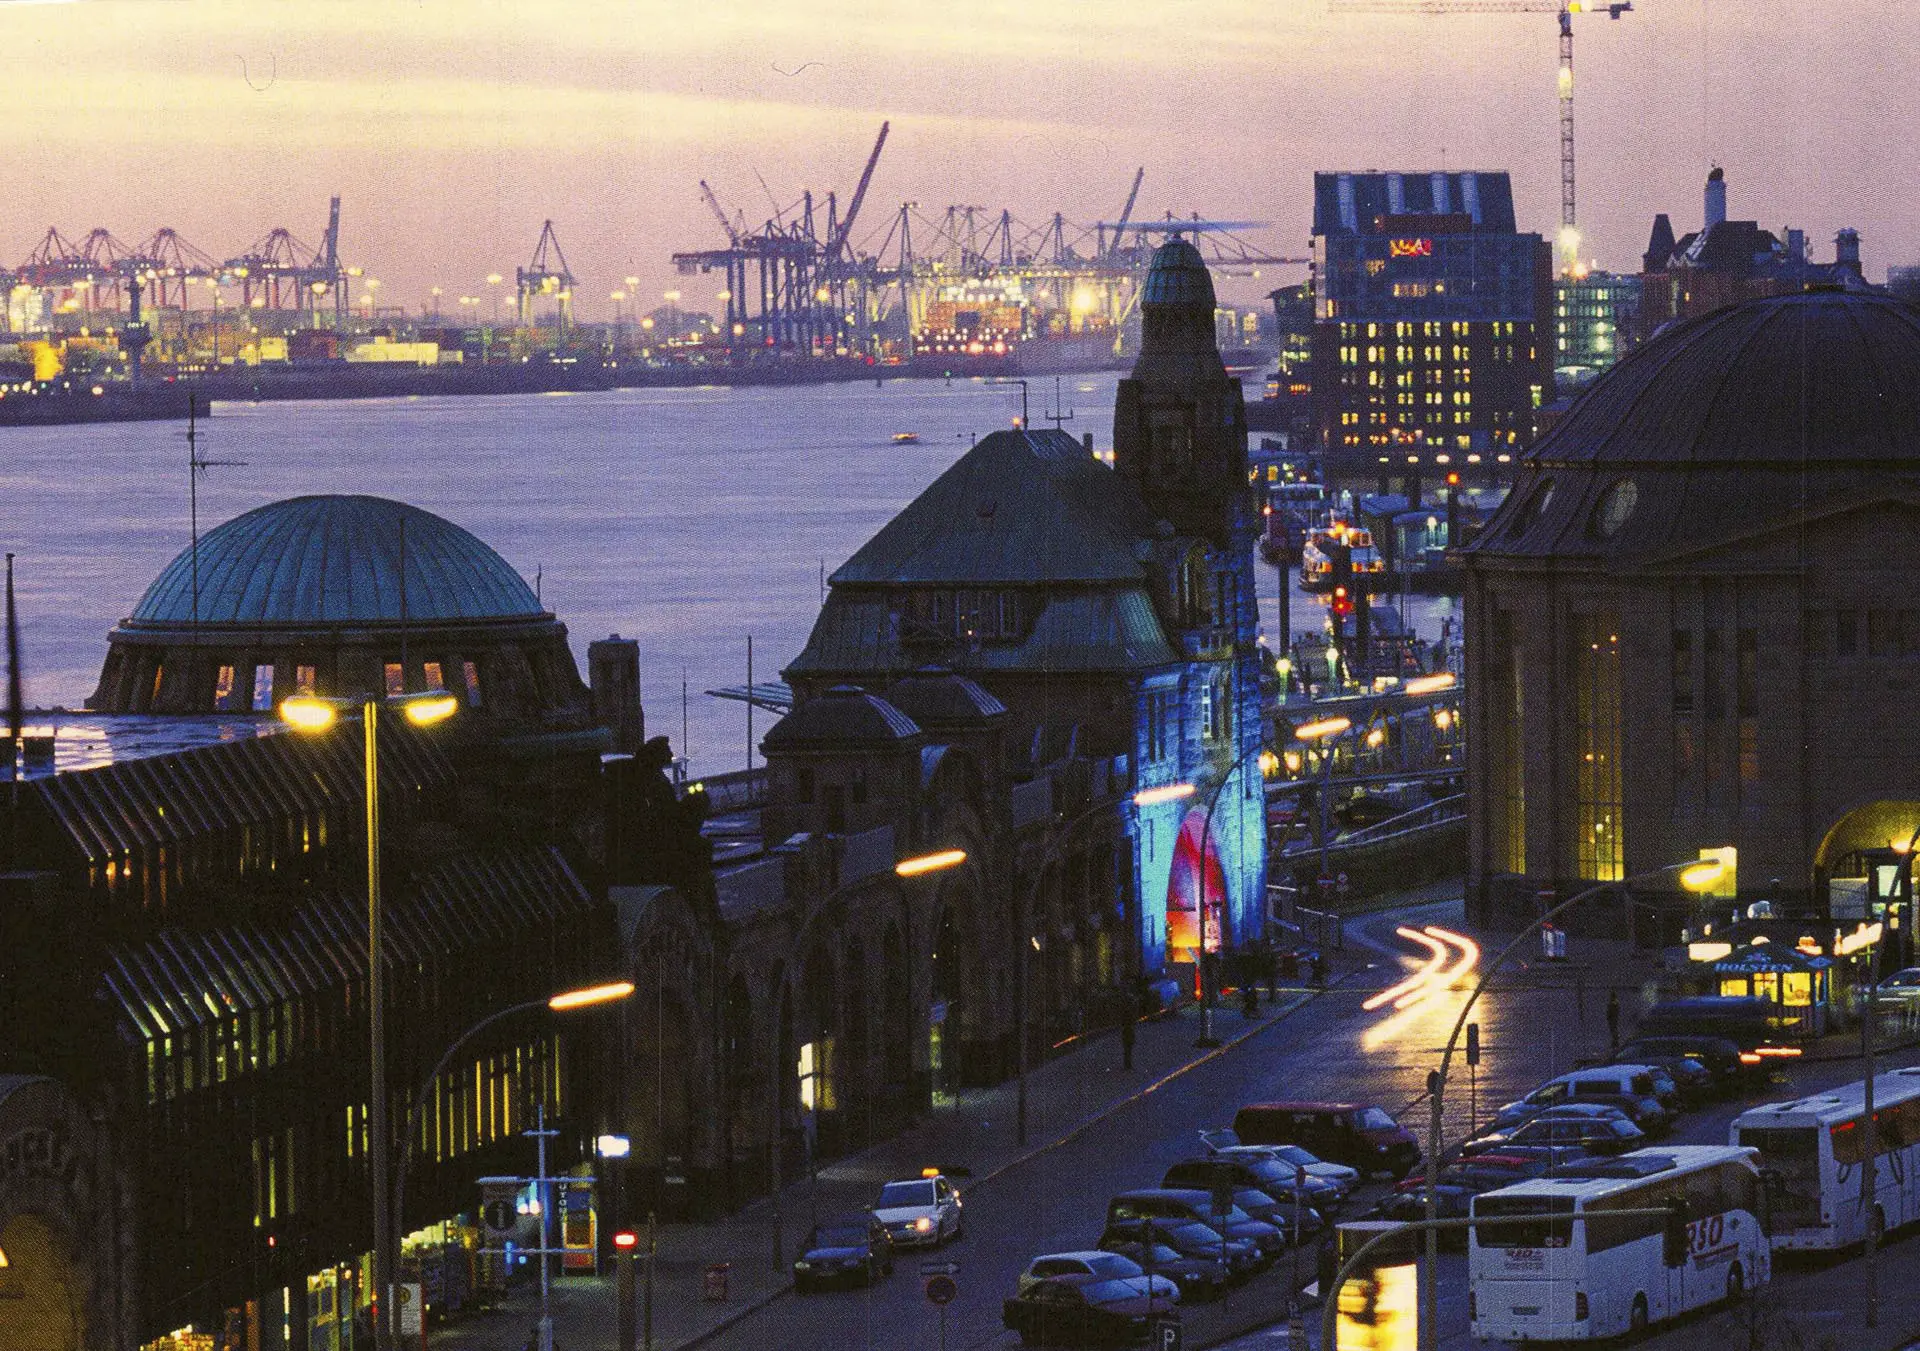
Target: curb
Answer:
pixel 1080 1128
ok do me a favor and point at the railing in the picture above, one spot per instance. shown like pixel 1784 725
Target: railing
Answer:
pixel 1438 812
pixel 1313 928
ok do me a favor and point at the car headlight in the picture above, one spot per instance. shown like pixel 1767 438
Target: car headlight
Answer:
pixel 922 1225
pixel 802 1266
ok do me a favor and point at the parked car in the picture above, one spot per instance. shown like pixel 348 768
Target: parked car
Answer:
pixel 1094 1265
pixel 1276 1179
pixel 1336 1175
pixel 1719 1056
pixel 1902 984
pixel 1594 1134
pixel 1083 1313
pixel 850 1248
pixel 1199 1278
pixel 1630 1088
pixel 921 1212
pixel 1693 1082
pixel 1364 1138
pixel 1183 1204
pixel 1407 1203
pixel 1748 1021
pixel 1189 1238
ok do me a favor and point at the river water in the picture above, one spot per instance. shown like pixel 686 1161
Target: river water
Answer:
pixel 685 518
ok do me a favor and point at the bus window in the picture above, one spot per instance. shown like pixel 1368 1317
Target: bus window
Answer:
pixel 1552 1229
pixel 1791 1155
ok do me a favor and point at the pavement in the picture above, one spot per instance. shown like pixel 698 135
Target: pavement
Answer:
pixel 1066 1097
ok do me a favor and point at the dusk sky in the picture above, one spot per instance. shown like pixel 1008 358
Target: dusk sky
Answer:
pixel 453 129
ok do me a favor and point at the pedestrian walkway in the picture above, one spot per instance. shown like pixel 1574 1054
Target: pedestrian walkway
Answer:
pixel 1066 1096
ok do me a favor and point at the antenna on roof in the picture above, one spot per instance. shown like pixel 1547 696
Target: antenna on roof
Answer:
pixel 196 467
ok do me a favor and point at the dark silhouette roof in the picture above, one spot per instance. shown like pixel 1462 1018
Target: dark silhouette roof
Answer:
pixel 1178 276
pixel 1018 507
pixel 336 560
pixel 935 697
pixel 1723 425
pixel 1660 245
pixel 844 716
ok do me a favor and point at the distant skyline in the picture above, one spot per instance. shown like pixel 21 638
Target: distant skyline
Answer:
pixel 453 128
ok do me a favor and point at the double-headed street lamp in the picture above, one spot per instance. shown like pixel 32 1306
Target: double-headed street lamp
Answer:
pixel 919 865
pixel 310 713
pixel 1322 732
pixel 1696 875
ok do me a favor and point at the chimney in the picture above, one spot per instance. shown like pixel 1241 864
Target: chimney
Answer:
pixel 1846 250
pixel 1796 246
pixel 1716 204
pixel 1086 440
pixel 613 682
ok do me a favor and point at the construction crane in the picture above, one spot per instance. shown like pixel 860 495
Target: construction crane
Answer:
pixel 1568 244
pixel 547 275
pixel 1126 214
pixel 719 214
pixel 838 243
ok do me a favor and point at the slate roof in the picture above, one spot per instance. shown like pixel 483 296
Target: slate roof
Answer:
pixel 1725 425
pixel 843 716
pixel 336 560
pixel 1018 507
pixel 936 697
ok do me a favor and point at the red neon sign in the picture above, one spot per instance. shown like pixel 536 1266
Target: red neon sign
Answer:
pixel 1410 248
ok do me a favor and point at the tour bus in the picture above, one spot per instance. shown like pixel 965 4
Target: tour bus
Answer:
pixel 1545 1277
pixel 1812 1149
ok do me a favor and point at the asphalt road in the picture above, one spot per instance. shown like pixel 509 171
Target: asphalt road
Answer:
pixel 1328 1049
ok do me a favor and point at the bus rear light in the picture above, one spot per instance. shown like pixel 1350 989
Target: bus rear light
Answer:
pixel 1749 1058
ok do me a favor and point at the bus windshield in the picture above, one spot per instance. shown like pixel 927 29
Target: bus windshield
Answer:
pixel 1791 1155
pixel 1551 1225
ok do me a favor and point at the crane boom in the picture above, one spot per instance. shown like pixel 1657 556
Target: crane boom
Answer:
pixel 713 203
pixel 838 243
pixel 1568 244
pixel 1126 212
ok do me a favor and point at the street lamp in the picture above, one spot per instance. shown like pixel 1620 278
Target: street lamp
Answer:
pixel 1145 797
pixel 917 866
pixel 1695 875
pixel 568 1000
pixel 1323 731
pixel 308 713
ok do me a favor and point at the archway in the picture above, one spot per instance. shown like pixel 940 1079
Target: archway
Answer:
pixel 1196 890
pixel 1864 862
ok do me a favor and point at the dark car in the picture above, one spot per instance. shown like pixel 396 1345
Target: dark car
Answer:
pixel 1632 1089
pixel 1181 1204
pixel 1199 1278
pixel 1361 1137
pixel 1277 1180
pixel 1407 1203
pixel 1083 1313
pixel 1719 1057
pixel 1748 1021
pixel 852 1248
pixel 1189 1239
pixel 1594 1134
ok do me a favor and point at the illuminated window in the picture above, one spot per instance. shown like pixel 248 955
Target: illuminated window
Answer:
pixel 303 680
pixel 262 689
pixel 223 690
pixel 396 678
pixel 435 680
pixel 471 673
pixel 1594 653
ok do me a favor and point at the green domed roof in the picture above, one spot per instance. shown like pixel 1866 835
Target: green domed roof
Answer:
pixel 1178 276
pixel 337 560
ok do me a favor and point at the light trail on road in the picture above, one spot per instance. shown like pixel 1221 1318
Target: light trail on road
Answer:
pixel 1436 959
pixel 1452 958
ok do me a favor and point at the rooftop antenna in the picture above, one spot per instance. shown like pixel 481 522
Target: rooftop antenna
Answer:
pixel 1025 425
pixel 1056 417
pixel 195 468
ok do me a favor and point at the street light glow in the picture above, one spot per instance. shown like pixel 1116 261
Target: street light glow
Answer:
pixel 930 863
pixel 1443 680
pixel 1325 727
pixel 426 709
pixel 308 713
pixel 1168 792
pixel 1702 876
pixel 592 994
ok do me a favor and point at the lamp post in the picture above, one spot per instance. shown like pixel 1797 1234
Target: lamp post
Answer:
pixel 1145 797
pixel 918 866
pixel 308 713
pixel 1323 731
pixel 1695 875
pixel 588 997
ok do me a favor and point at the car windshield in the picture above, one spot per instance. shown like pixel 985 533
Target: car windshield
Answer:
pixel 1057 1266
pixel 1108 1292
pixel 1296 1156
pixel 899 1195
pixel 1910 976
pixel 1113 1265
pixel 1373 1119
pixel 838 1236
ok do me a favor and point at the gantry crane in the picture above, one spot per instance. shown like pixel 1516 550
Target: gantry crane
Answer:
pixel 1568 244
pixel 547 275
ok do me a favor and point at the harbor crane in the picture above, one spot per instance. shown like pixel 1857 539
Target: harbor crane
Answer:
pixel 547 275
pixel 719 214
pixel 1112 253
pixel 1568 243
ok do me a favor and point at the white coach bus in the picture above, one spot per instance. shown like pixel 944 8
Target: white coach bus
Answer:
pixel 1545 1277
pixel 1812 1149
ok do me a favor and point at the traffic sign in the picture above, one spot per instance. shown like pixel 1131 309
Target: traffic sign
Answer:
pixel 941 1290
pixel 500 1217
pixel 1166 1336
pixel 939 1268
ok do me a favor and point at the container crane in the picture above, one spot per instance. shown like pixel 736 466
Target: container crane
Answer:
pixel 1568 243
pixel 719 214
pixel 547 275
pixel 1126 214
